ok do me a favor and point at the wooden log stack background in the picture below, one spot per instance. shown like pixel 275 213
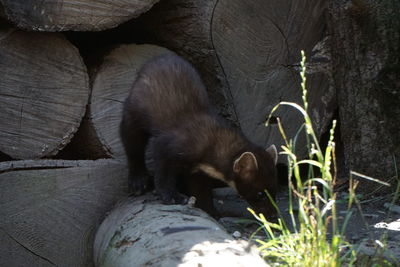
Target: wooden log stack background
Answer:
pixel 66 67
pixel 64 15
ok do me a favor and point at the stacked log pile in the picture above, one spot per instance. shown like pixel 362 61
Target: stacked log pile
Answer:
pixel 61 98
pixel 240 70
pixel 57 102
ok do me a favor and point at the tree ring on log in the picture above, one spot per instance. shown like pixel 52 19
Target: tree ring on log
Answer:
pixel 111 86
pixel 258 43
pixel 44 90
pixel 64 15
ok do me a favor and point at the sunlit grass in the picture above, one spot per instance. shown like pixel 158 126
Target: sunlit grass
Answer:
pixel 314 237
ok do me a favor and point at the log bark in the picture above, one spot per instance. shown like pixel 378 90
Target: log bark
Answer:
pixel 366 58
pixel 250 51
pixel 64 15
pixel 111 86
pixel 49 209
pixel 43 93
pixel 142 232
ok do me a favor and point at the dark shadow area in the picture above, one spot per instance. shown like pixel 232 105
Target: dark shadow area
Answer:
pixel 4 157
pixel 94 45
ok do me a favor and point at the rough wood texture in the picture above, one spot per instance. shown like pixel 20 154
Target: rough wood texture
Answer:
pixel 50 209
pixel 253 48
pixel 142 232
pixel 43 93
pixel 366 57
pixel 18 165
pixel 259 44
pixel 91 150
pixel 111 86
pixel 184 27
pixel 63 15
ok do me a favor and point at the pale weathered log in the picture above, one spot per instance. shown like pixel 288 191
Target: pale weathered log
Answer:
pixel 44 91
pixel 142 232
pixel 49 209
pixel 63 15
pixel 111 86
pixel 253 49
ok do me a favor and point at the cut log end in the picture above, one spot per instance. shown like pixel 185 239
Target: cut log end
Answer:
pixel 44 91
pixel 253 48
pixel 64 15
pixel 111 86
pixel 50 208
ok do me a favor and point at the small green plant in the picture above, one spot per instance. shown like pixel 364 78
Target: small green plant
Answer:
pixel 314 237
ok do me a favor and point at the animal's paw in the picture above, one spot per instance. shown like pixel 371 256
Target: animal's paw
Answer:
pixel 171 198
pixel 139 184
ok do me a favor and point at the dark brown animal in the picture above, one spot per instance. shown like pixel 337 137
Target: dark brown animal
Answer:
pixel 169 104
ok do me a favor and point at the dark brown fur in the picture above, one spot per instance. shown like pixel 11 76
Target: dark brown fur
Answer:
pixel 169 104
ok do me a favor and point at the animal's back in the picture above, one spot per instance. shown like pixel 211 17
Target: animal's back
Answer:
pixel 167 91
pixel 168 104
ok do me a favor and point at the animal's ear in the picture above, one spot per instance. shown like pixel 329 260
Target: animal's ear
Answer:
pixel 273 153
pixel 246 162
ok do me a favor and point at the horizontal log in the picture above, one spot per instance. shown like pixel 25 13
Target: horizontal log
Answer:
pixel 18 165
pixel 50 208
pixel 44 91
pixel 65 15
pixel 142 232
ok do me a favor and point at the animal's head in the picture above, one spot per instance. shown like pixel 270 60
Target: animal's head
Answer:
pixel 254 172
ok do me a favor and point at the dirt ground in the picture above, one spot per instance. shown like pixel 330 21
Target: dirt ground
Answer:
pixel 371 226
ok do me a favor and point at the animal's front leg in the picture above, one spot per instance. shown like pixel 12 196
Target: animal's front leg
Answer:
pixel 200 186
pixel 134 139
pixel 167 169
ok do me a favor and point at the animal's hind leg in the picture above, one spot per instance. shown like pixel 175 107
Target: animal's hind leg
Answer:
pixel 135 139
